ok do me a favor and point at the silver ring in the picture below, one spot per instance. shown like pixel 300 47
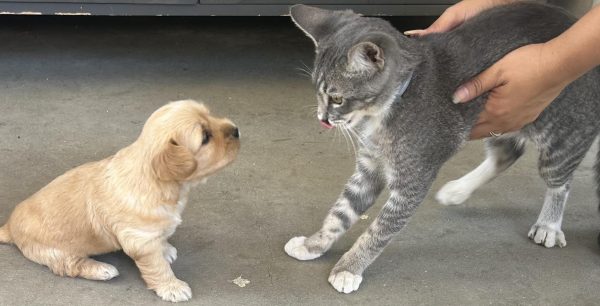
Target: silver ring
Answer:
pixel 495 134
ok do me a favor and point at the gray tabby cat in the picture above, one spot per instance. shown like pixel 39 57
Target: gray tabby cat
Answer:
pixel 395 94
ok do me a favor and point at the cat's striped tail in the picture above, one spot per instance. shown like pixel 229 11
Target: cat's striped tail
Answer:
pixel 5 235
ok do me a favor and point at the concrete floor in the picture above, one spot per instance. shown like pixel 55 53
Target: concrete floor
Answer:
pixel 77 90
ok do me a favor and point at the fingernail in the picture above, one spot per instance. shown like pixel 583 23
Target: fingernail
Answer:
pixel 412 32
pixel 460 95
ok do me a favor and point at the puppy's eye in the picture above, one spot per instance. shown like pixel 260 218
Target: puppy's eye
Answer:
pixel 206 136
pixel 336 100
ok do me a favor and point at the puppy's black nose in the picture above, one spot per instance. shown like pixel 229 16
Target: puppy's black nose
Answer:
pixel 235 133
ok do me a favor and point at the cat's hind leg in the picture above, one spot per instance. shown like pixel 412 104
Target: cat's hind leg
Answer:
pixel 547 229
pixel 557 162
pixel 359 194
pixel 501 153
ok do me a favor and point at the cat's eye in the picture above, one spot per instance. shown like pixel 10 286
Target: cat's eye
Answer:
pixel 336 100
pixel 206 136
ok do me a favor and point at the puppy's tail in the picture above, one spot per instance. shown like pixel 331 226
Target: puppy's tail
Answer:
pixel 5 235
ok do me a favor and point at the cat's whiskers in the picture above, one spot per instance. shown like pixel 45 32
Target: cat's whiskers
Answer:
pixel 335 136
pixel 344 133
pixel 304 74
pixel 308 69
pixel 305 71
pixel 358 136
pixel 351 139
pixel 339 136
pixel 313 110
pixel 344 128
pixel 308 106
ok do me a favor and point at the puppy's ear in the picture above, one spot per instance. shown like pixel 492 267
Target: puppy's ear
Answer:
pixel 174 163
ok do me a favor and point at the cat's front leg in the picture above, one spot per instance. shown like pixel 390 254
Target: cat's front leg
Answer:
pixel 346 276
pixel 359 194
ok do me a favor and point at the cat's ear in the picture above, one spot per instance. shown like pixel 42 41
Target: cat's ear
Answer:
pixel 317 23
pixel 366 57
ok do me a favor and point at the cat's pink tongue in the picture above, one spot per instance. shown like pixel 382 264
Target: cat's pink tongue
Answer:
pixel 325 124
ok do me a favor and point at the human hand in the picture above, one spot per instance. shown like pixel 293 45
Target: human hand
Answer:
pixel 521 85
pixel 456 15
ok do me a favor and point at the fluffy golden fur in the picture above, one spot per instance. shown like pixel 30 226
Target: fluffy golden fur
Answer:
pixel 131 201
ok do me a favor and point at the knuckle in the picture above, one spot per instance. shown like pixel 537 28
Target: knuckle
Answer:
pixel 477 86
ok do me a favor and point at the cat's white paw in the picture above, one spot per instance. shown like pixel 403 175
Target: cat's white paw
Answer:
pixel 170 253
pixel 345 281
pixel 175 291
pixel 296 248
pixel 453 193
pixel 547 235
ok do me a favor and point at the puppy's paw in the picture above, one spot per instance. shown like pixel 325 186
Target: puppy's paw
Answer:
pixel 345 281
pixel 296 248
pixel 107 272
pixel 96 270
pixel 174 291
pixel 170 253
pixel 453 193
pixel 548 235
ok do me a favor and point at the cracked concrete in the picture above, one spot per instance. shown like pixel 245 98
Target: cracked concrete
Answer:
pixel 78 89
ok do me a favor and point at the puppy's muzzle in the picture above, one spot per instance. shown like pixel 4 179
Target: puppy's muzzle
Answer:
pixel 231 131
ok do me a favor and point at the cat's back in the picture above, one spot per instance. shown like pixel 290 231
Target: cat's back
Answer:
pixel 452 58
pixel 516 21
pixel 487 37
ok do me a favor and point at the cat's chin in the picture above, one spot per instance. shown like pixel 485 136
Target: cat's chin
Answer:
pixel 358 120
pixel 343 124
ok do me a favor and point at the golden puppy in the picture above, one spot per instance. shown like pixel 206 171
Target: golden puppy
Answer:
pixel 130 201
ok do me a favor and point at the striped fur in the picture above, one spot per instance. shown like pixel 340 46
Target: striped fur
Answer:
pixel 400 109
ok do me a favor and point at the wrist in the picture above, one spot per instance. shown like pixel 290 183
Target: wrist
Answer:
pixel 556 66
pixel 577 50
